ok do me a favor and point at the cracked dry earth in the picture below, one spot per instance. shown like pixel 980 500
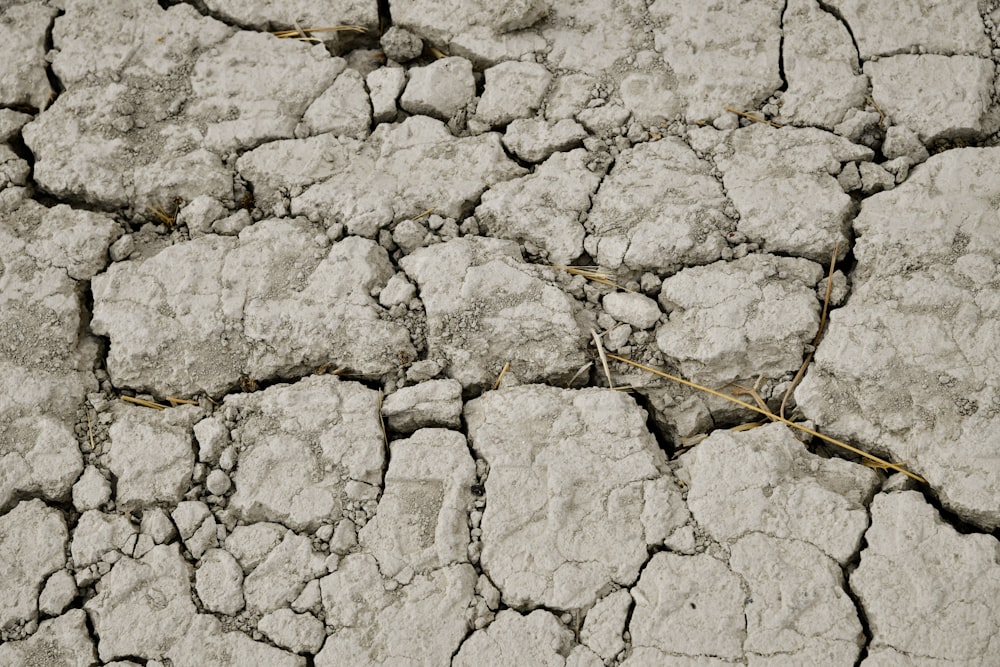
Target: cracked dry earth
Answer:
pixel 293 372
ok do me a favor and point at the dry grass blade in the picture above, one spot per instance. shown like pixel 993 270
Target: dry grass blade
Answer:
pixel 420 215
pixel 819 333
pixel 750 116
pixel 604 358
pixel 881 463
pixel 143 402
pixel 381 422
pixel 436 52
pixel 302 34
pixel 161 214
pixel 503 371
pixel 593 274
pixel 90 431
pixel 180 401
pixel 881 114
pixel 583 369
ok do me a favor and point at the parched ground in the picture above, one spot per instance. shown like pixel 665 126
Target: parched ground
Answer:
pixel 305 335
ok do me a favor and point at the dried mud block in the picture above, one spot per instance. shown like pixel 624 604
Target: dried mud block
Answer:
pixel 440 90
pixel 81 155
pixel 543 207
pixel 265 15
pixel 798 612
pixel 45 356
pixel 343 109
pixel 283 573
pixel 117 135
pixel 651 96
pixel 534 140
pixel 97 533
pixel 590 36
pixel 384 87
pixel 955 100
pixel 512 90
pixel 764 480
pixel 274 302
pixel 272 83
pixel 472 25
pixel 219 582
pixel 687 608
pixel 565 492
pixel 485 307
pixel 299 633
pixel 23 32
pixel 63 641
pixel 435 403
pixel 722 52
pixel 820 66
pixel 307 451
pixel 908 365
pixel 405 170
pixel 783 183
pixel 740 319
pixel 156 589
pixel 930 593
pixel 602 631
pixel 95 38
pixel 421 522
pixel 206 643
pixel 946 29
pixel 659 208
pixel 373 621
pixel 140 131
pixel 152 455
pixel 33 540
pixel 283 169
pixel 537 638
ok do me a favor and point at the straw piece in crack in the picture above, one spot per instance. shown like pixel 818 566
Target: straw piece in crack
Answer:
pixel 143 402
pixel 603 356
pixel 819 333
pixel 302 34
pixel 503 371
pixel 592 273
pixel 180 401
pixel 583 369
pixel 381 422
pixel 880 463
pixel 750 116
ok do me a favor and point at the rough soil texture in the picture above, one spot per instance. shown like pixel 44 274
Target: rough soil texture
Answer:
pixel 305 335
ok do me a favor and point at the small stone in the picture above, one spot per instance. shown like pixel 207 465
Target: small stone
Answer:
pixel 91 491
pixel 157 524
pixel 218 483
pixel 875 179
pixel 310 599
pixel 420 371
pixel 849 177
pixel 301 633
pixel 440 89
pixel 212 436
pixel 122 248
pixel 219 582
pixel 432 403
pixel 384 86
pixel 234 224
pixel 397 290
pixel 512 90
pixel 635 309
pixel 60 590
pixel 400 44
